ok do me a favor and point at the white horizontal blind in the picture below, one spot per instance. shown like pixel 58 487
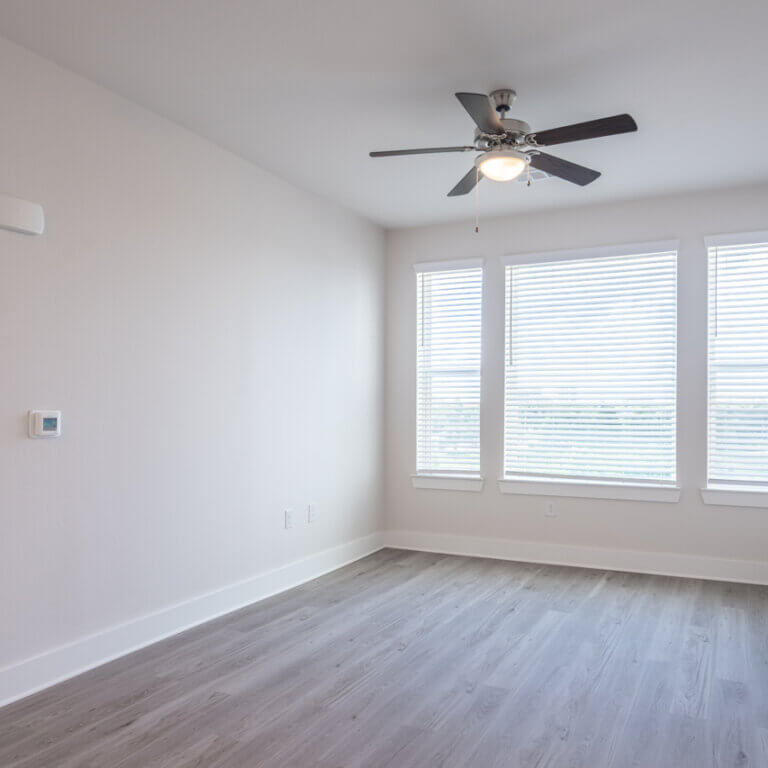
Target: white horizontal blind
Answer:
pixel 449 317
pixel 591 368
pixel 738 364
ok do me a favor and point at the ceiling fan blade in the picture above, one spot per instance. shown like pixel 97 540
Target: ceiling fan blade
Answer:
pixel 481 111
pixel 564 169
pixel 467 183
pixel 593 129
pixel 425 151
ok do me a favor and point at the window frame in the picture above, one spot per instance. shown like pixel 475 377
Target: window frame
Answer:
pixel 736 494
pixel 437 479
pixel 594 488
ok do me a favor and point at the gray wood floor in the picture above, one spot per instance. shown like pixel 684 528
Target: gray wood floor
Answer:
pixel 411 659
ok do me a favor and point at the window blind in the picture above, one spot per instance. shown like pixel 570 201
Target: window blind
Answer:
pixel 738 364
pixel 591 368
pixel 449 318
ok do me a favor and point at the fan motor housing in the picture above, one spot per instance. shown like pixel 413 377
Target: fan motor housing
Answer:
pixel 514 130
pixel 515 126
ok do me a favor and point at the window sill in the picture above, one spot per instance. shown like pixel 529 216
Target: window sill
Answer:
pixel 735 495
pixel 589 489
pixel 448 482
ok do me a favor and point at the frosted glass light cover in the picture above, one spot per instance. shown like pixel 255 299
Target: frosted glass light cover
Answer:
pixel 502 165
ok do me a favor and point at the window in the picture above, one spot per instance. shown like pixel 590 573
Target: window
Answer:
pixel 738 364
pixel 590 368
pixel 449 318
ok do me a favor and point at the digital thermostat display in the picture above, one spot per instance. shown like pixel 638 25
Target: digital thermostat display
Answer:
pixel 44 423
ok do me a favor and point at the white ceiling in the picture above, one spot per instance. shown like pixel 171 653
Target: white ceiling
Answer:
pixel 306 88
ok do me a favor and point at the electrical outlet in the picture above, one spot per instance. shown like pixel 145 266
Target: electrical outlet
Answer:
pixel 550 512
pixel 288 518
pixel 311 513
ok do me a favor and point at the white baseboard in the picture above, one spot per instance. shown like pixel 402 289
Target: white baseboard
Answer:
pixel 46 669
pixel 636 561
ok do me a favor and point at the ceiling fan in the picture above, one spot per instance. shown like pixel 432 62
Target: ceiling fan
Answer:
pixel 508 147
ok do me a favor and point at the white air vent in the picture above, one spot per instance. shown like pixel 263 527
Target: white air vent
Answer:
pixel 21 216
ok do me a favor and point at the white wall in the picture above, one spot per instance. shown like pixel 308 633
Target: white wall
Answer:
pixel 635 535
pixel 212 337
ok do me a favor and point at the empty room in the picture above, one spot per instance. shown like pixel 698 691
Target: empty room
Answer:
pixel 383 384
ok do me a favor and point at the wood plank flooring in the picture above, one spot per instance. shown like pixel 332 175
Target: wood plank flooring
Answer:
pixel 408 659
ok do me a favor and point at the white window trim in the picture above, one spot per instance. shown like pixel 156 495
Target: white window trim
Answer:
pixel 439 482
pixel 443 266
pixel 723 494
pixel 589 489
pixel 738 238
pixel 630 249
pixel 735 495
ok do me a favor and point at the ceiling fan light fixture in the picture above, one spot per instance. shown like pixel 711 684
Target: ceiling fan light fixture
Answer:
pixel 502 164
pixel 515 148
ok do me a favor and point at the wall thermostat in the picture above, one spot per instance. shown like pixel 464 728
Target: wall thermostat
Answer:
pixel 44 423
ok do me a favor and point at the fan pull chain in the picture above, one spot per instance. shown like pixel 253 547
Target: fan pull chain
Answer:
pixel 477 200
pixel 528 171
